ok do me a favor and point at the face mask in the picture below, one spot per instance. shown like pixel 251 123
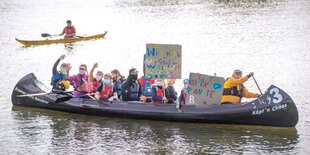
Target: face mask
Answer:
pixel 98 78
pixel 134 77
pixel 82 72
pixel 105 81
pixel 63 70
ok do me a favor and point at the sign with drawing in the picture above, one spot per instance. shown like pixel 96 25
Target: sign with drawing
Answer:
pixel 204 89
pixel 163 61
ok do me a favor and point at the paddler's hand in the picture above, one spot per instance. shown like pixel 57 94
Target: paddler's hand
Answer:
pixel 250 75
pixel 111 99
pixel 97 96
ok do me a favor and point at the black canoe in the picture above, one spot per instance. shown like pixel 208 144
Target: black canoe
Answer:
pixel 274 108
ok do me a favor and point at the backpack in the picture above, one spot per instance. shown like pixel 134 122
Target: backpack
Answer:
pixel 147 89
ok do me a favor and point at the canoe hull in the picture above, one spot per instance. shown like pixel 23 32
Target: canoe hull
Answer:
pixel 261 111
pixel 57 41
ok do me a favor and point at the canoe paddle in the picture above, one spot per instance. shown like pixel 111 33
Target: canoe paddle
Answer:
pixel 257 85
pixel 47 35
pixel 39 94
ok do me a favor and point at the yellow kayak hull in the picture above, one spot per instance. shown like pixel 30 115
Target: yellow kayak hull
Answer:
pixel 57 41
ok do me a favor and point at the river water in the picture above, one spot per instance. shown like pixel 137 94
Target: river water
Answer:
pixel 269 37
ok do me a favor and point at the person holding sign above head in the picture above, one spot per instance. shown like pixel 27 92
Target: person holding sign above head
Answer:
pixel 234 90
pixel 131 89
pixel 170 92
pixel 158 95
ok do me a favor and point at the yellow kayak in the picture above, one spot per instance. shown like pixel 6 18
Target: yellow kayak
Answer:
pixel 56 41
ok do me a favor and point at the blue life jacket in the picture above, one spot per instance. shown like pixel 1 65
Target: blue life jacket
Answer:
pixel 56 78
pixel 147 89
pixel 118 86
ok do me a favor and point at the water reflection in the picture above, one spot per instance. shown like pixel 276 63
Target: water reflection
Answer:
pixel 70 48
pixel 92 133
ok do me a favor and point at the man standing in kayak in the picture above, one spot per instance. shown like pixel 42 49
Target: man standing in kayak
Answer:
pixel 69 30
pixel 234 89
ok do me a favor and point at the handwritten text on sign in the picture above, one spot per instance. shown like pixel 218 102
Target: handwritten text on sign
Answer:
pixel 163 61
pixel 204 89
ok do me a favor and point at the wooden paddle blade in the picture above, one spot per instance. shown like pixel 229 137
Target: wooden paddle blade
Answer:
pixel 45 35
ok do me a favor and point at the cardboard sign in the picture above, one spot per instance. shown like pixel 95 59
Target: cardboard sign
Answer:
pixel 163 61
pixel 204 89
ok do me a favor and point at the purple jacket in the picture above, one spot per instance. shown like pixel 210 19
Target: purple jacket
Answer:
pixel 76 81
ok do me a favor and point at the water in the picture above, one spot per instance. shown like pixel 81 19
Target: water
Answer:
pixel 269 37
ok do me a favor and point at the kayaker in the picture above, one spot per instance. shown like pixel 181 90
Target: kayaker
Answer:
pixel 118 81
pixel 182 97
pixel 131 89
pixel 170 92
pixel 234 90
pixel 69 30
pixel 158 89
pixel 105 90
pixel 96 81
pixel 58 80
pixel 80 82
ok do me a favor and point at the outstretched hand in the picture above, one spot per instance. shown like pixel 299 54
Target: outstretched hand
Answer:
pixel 62 57
pixel 95 65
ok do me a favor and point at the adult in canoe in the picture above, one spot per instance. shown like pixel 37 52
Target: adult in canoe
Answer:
pixel 69 30
pixel 234 90
pixel 58 80
pixel 79 81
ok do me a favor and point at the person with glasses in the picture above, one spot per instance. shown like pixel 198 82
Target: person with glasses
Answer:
pixel 78 81
pixel 234 90
pixel 69 30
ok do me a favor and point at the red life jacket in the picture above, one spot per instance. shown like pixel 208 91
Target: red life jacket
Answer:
pixel 159 93
pixel 106 92
pixel 69 31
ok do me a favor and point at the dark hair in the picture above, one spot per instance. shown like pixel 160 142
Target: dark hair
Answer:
pixel 116 71
pixel 69 21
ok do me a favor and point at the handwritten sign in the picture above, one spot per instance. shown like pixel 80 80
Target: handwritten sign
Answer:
pixel 204 89
pixel 163 61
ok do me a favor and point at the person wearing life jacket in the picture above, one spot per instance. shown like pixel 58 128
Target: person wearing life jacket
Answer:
pixel 78 81
pixel 182 97
pixel 69 30
pixel 96 81
pixel 158 96
pixel 170 92
pixel 118 81
pixel 131 89
pixel 105 90
pixel 146 87
pixel 234 90
pixel 58 80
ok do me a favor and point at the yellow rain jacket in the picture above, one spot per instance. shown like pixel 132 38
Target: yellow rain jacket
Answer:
pixel 233 82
